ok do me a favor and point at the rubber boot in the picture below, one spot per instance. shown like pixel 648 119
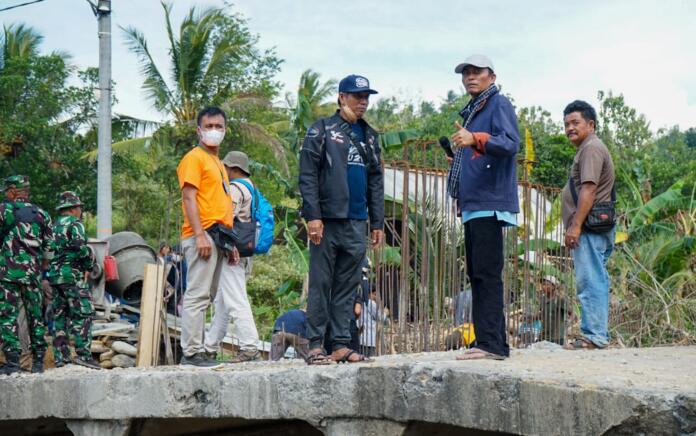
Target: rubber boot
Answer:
pixel 11 364
pixel 37 366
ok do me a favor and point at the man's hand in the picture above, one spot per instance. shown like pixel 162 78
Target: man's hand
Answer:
pixel 450 160
pixel 572 236
pixel 203 246
pixel 377 237
pixel 233 257
pixel 168 292
pixel 315 228
pixel 463 137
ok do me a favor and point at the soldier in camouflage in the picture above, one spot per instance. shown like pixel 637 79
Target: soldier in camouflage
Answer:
pixel 25 237
pixel 73 311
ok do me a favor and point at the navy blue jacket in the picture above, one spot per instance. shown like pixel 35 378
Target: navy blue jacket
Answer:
pixel 292 321
pixel 324 171
pixel 488 177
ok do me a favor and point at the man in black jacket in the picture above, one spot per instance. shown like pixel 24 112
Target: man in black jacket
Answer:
pixel 342 188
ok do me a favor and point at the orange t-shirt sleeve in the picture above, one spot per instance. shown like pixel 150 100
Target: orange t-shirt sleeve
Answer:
pixel 190 171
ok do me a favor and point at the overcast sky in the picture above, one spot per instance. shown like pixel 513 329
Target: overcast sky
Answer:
pixel 546 53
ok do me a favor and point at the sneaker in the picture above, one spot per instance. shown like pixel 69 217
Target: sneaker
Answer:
pixel 61 363
pixel 211 355
pixel 87 363
pixel 246 356
pixel 199 360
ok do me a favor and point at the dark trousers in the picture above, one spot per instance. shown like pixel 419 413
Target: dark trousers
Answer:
pixel 354 338
pixel 484 264
pixel 334 275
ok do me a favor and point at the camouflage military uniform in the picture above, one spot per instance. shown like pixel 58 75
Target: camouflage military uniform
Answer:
pixel 25 235
pixel 73 312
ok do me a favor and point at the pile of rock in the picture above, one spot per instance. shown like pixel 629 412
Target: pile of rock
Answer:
pixel 114 353
pixel 114 344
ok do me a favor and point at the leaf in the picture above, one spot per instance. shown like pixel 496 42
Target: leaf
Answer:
pixel 397 138
pixel 389 256
pixel 285 287
pixel 539 245
pixel 260 310
pixel 130 146
pixel 660 206
pixel 621 237
pixel 155 86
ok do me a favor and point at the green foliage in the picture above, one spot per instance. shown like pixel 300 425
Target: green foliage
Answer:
pixel 619 125
pixel 310 104
pixel 690 137
pixel 661 206
pixel 669 159
pixel 40 117
pixel 274 287
pixel 212 57
pixel 18 41
pixel 554 155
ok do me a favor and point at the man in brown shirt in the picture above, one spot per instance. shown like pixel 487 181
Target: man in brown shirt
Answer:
pixel 592 175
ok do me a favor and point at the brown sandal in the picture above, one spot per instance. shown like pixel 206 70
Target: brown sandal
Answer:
pixel 581 344
pixel 346 357
pixel 318 358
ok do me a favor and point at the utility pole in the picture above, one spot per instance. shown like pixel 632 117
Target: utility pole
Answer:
pixel 102 10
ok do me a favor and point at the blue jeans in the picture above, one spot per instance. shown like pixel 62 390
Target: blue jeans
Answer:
pixel 592 281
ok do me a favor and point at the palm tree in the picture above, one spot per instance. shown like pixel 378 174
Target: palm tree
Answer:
pixel 200 55
pixel 309 103
pixel 194 61
pixel 18 40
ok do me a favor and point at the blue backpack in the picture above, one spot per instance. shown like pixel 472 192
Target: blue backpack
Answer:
pixel 262 215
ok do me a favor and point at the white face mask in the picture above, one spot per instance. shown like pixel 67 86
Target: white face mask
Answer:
pixel 212 137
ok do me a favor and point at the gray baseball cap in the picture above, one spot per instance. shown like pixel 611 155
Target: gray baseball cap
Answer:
pixel 237 159
pixel 476 60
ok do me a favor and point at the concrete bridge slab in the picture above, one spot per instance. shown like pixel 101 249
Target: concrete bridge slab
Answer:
pixel 536 392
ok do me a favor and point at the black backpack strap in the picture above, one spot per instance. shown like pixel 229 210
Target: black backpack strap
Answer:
pixel 571 184
pixel 613 192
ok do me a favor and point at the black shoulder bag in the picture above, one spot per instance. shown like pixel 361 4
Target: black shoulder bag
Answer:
pixel 602 216
pixel 224 237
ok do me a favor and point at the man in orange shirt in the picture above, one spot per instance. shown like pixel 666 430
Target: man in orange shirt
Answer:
pixel 206 202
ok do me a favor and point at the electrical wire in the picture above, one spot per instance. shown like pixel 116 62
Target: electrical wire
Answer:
pixel 20 5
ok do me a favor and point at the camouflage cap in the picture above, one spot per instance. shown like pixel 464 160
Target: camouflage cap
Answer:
pixel 17 181
pixel 68 199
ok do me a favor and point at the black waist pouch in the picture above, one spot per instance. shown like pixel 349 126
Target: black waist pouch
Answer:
pixel 246 237
pixel 601 219
pixel 223 237
pixel 602 216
